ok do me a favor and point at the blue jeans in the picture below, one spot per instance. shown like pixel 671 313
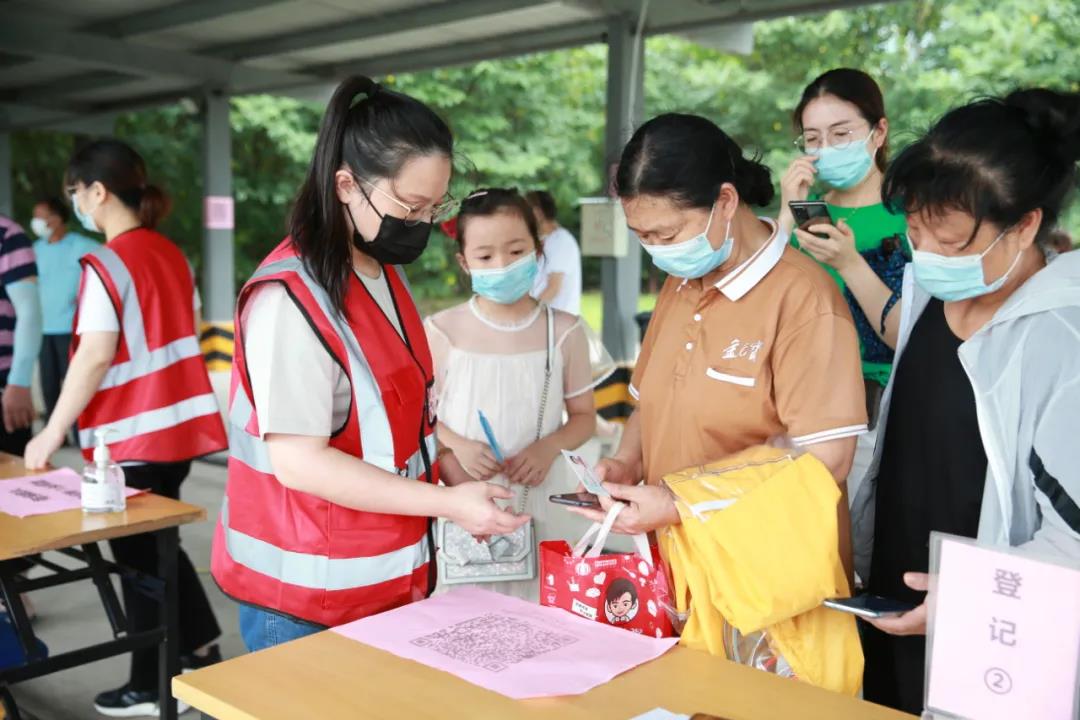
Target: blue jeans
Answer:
pixel 263 629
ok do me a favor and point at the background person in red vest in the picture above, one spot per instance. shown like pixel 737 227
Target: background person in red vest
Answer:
pixel 333 468
pixel 136 369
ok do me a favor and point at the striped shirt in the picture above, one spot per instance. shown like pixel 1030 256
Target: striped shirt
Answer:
pixel 16 263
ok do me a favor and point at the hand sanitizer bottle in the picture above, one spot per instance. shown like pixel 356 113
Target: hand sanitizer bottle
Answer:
pixel 103 481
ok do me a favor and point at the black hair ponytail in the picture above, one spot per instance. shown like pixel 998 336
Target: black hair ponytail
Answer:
pixel 995 159
pixel 374 138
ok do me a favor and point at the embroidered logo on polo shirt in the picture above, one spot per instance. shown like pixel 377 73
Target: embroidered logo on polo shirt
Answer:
pixel 738 349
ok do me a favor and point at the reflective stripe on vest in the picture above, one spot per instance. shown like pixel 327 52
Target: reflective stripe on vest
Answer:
pixel 319 571
pixel 376 437
pixel 142 363
pixel 252 451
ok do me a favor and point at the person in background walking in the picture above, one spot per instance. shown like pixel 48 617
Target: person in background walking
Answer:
pixel 558 284
pixel 57 251
pixel 20 334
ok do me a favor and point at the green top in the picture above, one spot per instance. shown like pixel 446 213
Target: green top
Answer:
pixel 871 224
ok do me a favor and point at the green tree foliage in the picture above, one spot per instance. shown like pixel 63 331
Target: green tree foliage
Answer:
pixel 538 120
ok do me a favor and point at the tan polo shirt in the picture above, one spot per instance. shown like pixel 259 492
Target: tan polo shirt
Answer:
pixel 731 360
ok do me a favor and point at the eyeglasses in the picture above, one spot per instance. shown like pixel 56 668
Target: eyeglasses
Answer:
pixel 437 213
pixel 836 138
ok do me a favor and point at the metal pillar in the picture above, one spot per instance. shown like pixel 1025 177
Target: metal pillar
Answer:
pixel 621 277
pixel 7 178
pixel 218 284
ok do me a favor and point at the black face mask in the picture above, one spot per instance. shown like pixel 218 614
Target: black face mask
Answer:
pixel 396 243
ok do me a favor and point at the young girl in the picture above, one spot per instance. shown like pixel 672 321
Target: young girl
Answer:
pixel 490 355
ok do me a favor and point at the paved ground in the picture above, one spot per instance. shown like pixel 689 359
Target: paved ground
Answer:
pixel 72 615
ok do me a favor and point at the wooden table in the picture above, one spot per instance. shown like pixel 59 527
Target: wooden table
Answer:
pixel 64 532
pixel 330 677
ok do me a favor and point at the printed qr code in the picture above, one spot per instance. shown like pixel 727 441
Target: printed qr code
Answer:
pixel 493 642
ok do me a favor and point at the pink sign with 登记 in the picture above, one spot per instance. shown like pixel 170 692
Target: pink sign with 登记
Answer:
pixel 1004 638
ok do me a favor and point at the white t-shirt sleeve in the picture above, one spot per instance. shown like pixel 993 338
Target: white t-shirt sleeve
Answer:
pixel 96 311
pixel 294 379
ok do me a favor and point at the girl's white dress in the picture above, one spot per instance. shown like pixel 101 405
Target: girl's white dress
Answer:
pixel 499 369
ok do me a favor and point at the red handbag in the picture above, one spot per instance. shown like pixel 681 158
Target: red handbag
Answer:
pixel 625 590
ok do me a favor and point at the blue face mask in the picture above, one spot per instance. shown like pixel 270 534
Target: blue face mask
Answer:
pixel 956 278
pixel 695 257
pixel 508 284
pixel 85 219
pixel 845 167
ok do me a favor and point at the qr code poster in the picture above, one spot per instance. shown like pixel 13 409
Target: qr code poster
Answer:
pixel 494 642
pixel 515 648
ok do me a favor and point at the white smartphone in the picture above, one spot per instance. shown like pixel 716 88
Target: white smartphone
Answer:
pixel 872 607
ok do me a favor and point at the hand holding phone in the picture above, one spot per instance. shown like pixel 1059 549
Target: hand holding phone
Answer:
pixel 871 607
pixel 810 212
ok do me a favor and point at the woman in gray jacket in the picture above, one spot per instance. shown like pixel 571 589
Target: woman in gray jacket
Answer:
pixel 975 437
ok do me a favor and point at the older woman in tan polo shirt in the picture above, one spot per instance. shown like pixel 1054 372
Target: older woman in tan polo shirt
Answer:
pixel 750 338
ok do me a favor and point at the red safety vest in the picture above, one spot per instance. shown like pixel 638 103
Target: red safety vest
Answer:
pixel 298 554
pixel 156 397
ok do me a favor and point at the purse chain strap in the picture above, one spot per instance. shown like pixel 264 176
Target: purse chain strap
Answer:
pixel 543 396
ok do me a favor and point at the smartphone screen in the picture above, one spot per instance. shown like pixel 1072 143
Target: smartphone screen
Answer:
pixel 580 499
pixel 870 606
pixel 810 212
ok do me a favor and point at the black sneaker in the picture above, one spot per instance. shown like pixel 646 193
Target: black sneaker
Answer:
pixel 125 702
pixel 191 662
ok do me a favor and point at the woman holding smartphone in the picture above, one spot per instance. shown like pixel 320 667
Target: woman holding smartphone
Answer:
pixel 843 134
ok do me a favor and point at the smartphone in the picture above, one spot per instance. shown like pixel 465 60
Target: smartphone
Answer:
pixel 578 499
pixel 810 212
pixel 870 606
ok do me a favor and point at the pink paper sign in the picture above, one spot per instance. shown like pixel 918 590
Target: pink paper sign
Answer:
pixel 1005 635
pixel 218 212
pixel 507 645
pixel 49 492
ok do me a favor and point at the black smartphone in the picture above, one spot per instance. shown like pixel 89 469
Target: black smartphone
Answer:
pixel 578 499
pixel 810 212
pixel 870 606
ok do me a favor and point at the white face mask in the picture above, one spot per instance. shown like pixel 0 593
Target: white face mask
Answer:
pixel 40 228
pixel 960 277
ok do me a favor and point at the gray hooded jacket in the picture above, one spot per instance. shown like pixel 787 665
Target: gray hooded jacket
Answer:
pixel 1024 367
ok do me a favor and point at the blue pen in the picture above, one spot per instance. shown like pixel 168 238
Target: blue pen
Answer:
pixel 490 437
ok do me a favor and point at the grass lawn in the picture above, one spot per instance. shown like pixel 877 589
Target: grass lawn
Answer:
pixel 592 306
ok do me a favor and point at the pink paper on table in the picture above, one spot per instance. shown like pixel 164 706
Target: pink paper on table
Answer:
pixel 49 492
pixel 507 645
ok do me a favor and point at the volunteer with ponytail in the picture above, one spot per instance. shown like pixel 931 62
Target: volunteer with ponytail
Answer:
pixel 978 430
pixel 137 370
pixel 333 469
pixel 491 356
pixel 843 134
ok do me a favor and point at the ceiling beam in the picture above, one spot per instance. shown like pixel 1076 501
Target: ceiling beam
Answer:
pixel 35 35
pixel 184 12
pixel 411 19
pixel 571 35
pixel 52 89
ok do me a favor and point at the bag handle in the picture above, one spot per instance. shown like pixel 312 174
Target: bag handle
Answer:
pixel 602 530
pixel 544 395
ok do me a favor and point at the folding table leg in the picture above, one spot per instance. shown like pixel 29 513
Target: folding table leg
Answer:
pixel 113 609
pixel 168 652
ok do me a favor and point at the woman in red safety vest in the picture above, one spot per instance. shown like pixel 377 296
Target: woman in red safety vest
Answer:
pixel 333 469
pixel 137 370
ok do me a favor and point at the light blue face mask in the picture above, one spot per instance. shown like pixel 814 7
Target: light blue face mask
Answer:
pixel 956 278
pixel 844 167
pixel 86 220
pixel 695 257
pixel 508 284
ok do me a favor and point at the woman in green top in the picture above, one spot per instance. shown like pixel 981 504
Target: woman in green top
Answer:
pixel 843 134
